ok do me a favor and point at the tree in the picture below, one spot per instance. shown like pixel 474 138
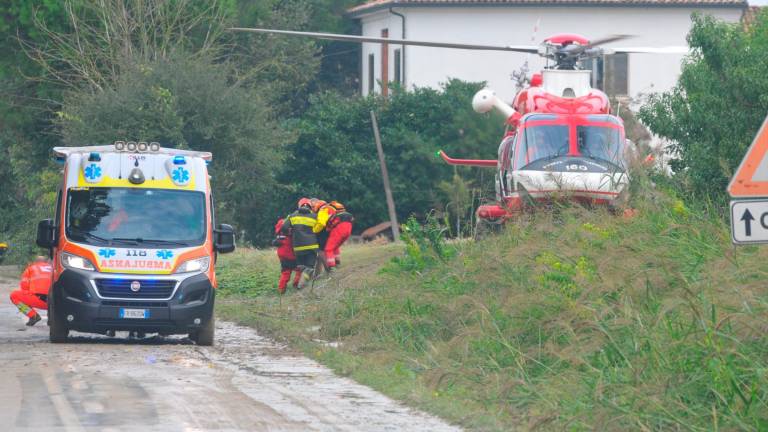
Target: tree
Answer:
pixel 169 71
pixel 718 104
pixel 25 125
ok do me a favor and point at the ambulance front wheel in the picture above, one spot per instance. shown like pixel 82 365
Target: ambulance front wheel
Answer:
pixel 204 336
pixel 57 328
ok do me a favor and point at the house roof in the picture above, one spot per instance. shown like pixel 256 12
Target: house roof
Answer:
pixel 374 5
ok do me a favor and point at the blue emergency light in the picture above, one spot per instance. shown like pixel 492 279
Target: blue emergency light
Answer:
pixel 179 160
pixel 94 157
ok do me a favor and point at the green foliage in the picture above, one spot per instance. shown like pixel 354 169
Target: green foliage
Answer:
pixel 424 245
pixel 168 73
pixel 335 155
pixel 718 104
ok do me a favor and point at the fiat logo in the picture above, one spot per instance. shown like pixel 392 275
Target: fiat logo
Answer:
pixel 135 286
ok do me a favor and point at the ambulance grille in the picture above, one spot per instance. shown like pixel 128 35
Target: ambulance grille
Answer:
pixel 121 288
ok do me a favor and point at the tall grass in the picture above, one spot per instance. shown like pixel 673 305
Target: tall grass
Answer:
pixel 573 319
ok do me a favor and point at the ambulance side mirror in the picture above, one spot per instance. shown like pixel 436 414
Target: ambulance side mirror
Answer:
pixel 224 238
pixel 46 236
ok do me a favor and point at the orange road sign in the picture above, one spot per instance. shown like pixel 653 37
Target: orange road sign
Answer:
pixel 751 179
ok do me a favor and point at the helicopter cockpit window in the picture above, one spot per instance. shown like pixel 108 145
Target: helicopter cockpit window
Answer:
pixel 541 142
pixel 600 143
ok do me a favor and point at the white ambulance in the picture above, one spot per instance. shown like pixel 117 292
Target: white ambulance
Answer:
pixel 134 242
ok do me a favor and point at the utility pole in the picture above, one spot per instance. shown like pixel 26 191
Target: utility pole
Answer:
pixel 385 177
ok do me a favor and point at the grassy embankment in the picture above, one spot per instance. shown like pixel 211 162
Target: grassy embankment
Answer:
pixel 575 320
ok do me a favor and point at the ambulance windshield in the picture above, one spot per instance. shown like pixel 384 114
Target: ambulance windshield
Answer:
pixel 150 217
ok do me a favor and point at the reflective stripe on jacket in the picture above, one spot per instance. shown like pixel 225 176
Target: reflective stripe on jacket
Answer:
pixel 300 225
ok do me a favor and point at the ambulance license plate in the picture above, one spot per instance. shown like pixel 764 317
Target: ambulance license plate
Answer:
pixel 134 313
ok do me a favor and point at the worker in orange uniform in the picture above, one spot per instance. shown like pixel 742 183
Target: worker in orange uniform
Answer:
pixel 340 229
pixel 299 225
pixel 287 258
pixel 33 289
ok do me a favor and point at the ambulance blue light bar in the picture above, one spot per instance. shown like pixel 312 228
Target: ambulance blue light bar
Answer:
pixel 179 160
pixel 94 157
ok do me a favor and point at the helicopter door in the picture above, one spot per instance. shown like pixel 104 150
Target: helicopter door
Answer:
pixel 504 176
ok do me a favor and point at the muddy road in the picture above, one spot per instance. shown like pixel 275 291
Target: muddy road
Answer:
pixel 244 383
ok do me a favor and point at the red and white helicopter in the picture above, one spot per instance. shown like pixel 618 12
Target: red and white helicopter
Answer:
pixel 561 139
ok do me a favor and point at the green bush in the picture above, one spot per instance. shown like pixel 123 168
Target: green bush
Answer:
pixel 425 245
pixel 718 104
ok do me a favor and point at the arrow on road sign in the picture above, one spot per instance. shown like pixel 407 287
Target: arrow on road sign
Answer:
pixel 749 221
pixel 747 218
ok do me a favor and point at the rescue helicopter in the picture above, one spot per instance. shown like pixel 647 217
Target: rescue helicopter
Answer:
pixel 561 139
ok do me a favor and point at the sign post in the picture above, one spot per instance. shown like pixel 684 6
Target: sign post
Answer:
pixel 749 190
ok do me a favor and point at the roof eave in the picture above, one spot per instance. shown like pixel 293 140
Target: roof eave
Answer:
pixel 359 13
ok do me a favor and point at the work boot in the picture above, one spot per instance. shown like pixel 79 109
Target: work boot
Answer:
pixel 306 276
pixel 338 261
pixel 33 320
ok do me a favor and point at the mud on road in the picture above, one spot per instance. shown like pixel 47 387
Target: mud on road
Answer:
pixel 244 383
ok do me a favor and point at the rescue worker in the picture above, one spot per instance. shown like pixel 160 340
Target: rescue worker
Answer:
pixel 340 229
pixel 3 250
pixel 33 289
pixel 299 225
pixel 324 213
pixel 287 258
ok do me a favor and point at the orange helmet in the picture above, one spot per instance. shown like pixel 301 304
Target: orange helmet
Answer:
pixel 337 205
pixel 305 202
pixel 317 204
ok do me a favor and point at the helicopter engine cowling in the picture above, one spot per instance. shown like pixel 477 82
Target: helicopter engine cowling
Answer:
pixel 486 100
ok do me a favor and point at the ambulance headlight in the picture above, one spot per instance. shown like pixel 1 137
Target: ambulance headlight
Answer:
pixel 131 146
pixel 76 262
pixel 154 146
pixel 119 145
pixel 194 265
pixel 143 146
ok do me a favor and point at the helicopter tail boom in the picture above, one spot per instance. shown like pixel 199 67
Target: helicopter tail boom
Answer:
pixel 483 163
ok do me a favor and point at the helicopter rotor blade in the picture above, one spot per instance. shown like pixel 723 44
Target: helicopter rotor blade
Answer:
pixel 361 39
pixel 607 39
pixel 650 50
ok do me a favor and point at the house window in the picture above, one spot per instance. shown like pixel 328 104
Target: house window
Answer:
pixel 385 64
pixel 371 73
pixel 616 74
pixel 398 77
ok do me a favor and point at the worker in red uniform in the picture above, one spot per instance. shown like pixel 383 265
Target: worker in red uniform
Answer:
pixel 33 289
pixel 287 258
pixel 340 229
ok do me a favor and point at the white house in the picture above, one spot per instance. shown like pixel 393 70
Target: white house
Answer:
pixel 652 23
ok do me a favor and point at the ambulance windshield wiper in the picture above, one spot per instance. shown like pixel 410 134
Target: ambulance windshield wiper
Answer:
pixel 141 240
pixel 86 234
pixel 126 240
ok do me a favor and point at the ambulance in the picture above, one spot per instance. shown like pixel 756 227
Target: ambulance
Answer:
pixel 134 242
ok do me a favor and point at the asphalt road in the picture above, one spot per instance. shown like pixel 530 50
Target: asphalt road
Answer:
pixel 244 383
